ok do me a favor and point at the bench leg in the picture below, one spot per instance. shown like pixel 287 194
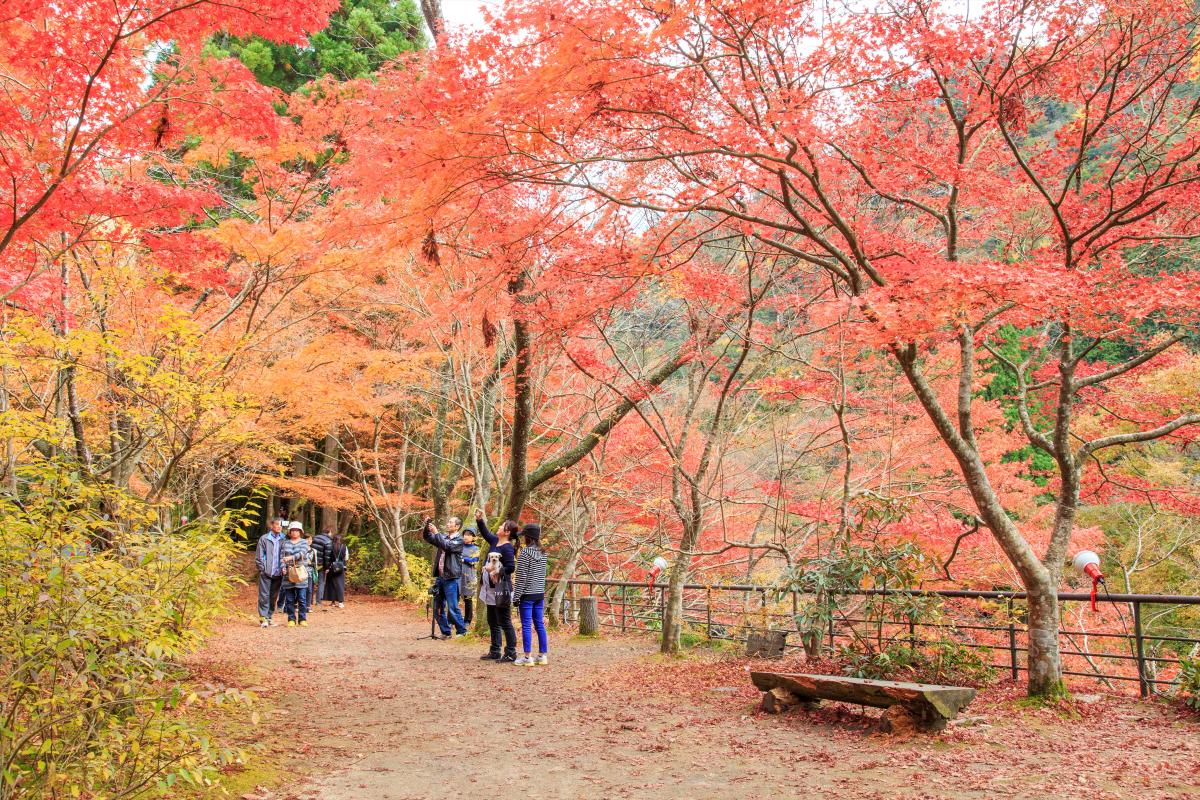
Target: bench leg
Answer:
pixel 902 721
pixel 779 700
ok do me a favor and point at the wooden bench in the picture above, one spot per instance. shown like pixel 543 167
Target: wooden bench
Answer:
pixel 929 706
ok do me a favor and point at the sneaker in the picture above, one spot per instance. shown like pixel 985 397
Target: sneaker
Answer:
pixel 341 605
pixel 490 657
pixel 541 661
pixel 291 623
pixel 507 658
pixel 264 622
pixel 303 623
pixel 523 661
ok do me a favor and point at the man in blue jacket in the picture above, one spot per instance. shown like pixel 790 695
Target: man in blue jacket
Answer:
pixel 447 570
pixel 270 570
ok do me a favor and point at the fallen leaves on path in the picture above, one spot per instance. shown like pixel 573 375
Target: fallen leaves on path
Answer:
pixel 369 711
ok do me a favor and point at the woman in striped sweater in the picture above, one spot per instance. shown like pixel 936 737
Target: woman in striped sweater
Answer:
pixel 529 592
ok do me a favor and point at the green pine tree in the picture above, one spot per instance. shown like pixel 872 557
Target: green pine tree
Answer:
pixel 361 37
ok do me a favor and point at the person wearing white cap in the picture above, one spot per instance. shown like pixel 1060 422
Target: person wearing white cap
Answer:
pixel 294 555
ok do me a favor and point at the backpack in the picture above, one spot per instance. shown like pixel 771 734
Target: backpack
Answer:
pixel 338 565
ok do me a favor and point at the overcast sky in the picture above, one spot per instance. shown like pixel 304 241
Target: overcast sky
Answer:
pixel 467 13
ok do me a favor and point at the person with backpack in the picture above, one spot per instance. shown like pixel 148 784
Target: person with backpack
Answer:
pixel 310 561
pixel 529 593
pixel 322 545
pixel 270 570
pixel 295 556
pixel 335 580
pixel 495 589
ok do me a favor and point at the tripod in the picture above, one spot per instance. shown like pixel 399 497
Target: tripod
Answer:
pixel 435 597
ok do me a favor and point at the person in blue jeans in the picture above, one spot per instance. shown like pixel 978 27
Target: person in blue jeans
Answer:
pixel 529 586
pixel 295 552
pixel 447 571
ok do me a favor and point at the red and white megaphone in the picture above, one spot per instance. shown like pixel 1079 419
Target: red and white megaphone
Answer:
pixel 656 569
pixel 1088 563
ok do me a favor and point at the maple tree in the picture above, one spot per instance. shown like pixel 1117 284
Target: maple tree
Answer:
pixel 750 282
pixel 1026 166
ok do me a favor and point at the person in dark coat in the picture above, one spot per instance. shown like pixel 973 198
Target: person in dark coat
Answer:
pixel 335 583
pixel 447 572
pixel 322 545
pixel 499 610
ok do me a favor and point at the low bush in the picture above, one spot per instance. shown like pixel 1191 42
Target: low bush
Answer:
pixel 945 661
pixel 93 619
pixel 387 580
pixel 1189 682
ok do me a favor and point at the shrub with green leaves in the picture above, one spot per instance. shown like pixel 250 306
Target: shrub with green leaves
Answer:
pixel 822 583
pixel 94 615
pixel 420 573
pixel 1189 681
pixel 940 661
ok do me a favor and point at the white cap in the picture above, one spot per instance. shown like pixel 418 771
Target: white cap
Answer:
pixel 296 526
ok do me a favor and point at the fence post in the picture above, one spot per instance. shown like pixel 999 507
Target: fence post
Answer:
pixel 708 612
pixel 912 633
pixel 762 609
pixel 1143 685
pixel 1012 641
pixel 624 596
pixel 662 607
pixel 831 634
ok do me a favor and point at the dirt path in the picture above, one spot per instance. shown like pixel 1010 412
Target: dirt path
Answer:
pixel 367 710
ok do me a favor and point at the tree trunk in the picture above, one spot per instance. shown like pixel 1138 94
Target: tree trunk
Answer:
pixel 205 494
pixel 672 628
pixel 589 616
pixel 1039 580
pixel 559 595
pixel 518 482
pixel 82 454
pixel 329 464
pixel 1044 659
pixel 10 452
pixel 432 11
pixel 391 535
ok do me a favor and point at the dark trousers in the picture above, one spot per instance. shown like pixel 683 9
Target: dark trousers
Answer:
pixel 268 594
pixel 499 619
pixel 468 610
